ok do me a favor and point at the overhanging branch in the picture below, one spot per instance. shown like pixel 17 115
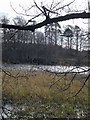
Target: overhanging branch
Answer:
pixel 83 15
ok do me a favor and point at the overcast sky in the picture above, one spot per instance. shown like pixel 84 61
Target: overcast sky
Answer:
pixel 5 8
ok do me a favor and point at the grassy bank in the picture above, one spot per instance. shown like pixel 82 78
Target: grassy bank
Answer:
pixel 43 93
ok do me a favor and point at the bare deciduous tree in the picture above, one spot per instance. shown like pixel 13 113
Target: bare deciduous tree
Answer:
pixel 48 13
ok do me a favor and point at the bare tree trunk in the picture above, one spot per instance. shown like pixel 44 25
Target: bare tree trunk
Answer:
pixel 34 37
pixel 45 35
pixel 77 41
pixel 68 43
pixel 55 34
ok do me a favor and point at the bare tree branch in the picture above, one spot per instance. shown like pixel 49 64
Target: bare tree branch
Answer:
pixel 45 22
pixel 69 84
pixel 38 7
pixel 82 86
pixel 14 76
pixel 20 12
pixel 64 6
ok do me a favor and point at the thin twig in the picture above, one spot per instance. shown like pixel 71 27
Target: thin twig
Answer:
pixel 81 86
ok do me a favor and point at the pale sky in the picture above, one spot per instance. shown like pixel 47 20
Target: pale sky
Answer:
pixel 5 8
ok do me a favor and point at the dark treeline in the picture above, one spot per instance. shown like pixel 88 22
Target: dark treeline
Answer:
pixel 17 53
pixel 53 46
